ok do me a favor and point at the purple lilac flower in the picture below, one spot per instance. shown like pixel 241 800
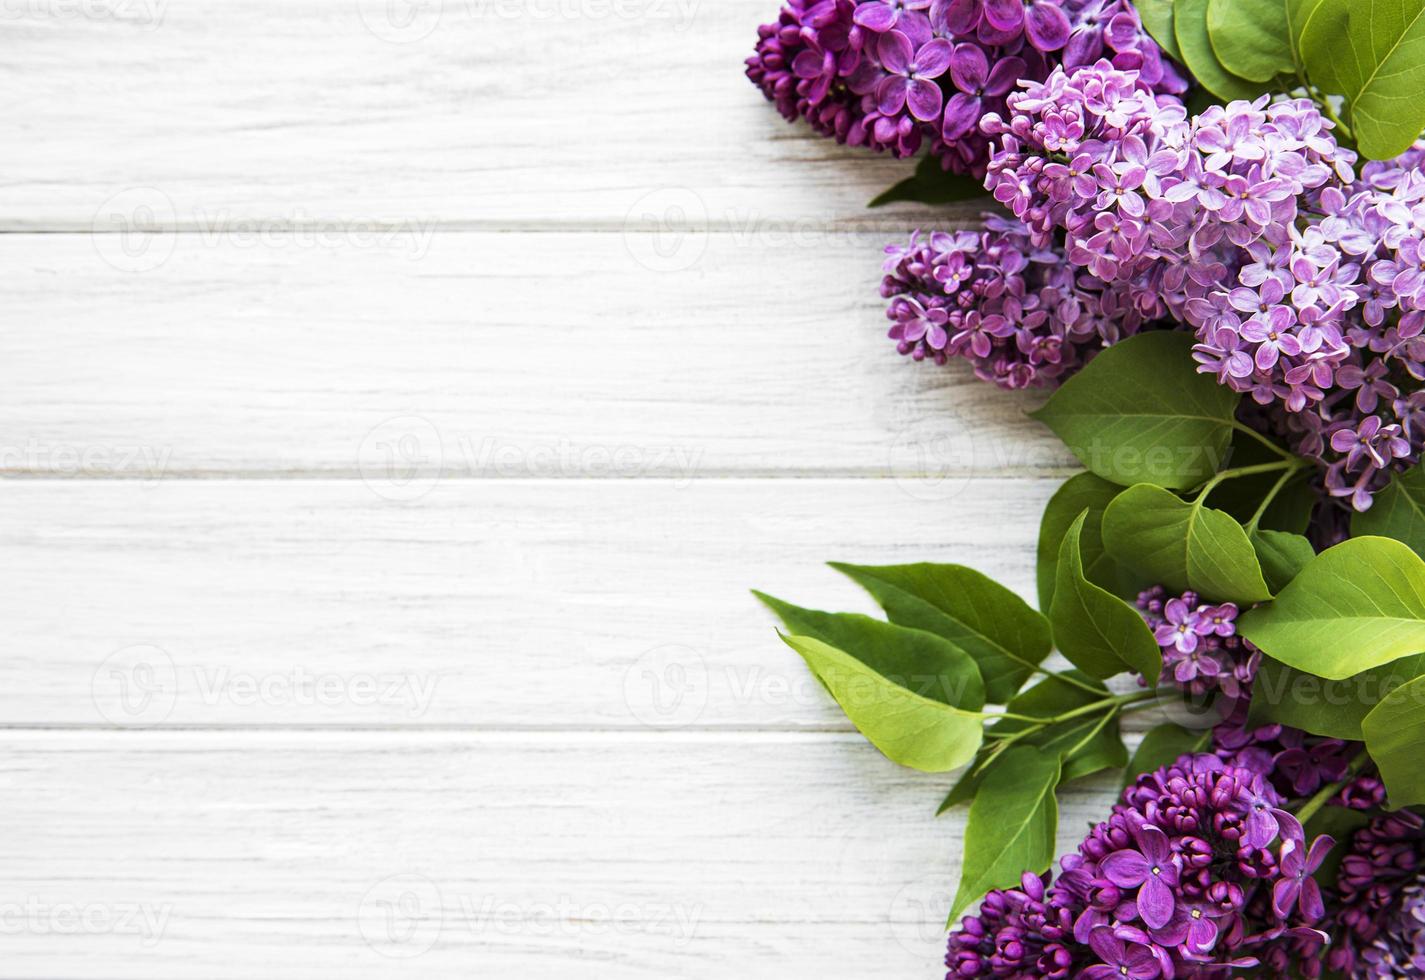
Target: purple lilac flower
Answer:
pixel 1202 652
pixel 1021 315
pixel 1304 284
pixel 1377 908
pixel 874 73
pixel 1118 910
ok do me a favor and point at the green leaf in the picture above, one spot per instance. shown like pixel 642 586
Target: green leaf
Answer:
pixel 1331 709
pixel 998 629
pixel 1084 745
pixel 1395 738
pixel 1164 745
pixel 1183 545
pixel 1250 38
pixel 932 185
pixel 1157 18
pixel 1080 493
pixel 1321 27
pixel 1298 16
pixel 1099 633
pixel 921 662
pixel 909 729
pixel 1012 825
pixel 1282 555
pixel 1357 606
pixel 1378 65
pixel 1398 511
pixel 1195 43
pixel 1140 413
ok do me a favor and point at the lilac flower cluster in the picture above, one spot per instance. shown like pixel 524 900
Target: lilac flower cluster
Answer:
pixel 1197 872
pixel 1202 652
pixel 1378 906
pixel 892 74
pixel 1305 285
pixel 1020 314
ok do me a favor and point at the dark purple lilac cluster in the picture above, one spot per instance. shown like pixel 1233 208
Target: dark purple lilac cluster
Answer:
pixel 1202 652
pixel 1198 872
pixel 1378 906
pixel 894 74
pixel 1305 285
pixel 1020 314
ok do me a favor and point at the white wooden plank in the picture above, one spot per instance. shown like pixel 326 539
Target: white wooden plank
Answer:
pixel 251 854
pixel 484 604
pixel 493 113
pixel 488 355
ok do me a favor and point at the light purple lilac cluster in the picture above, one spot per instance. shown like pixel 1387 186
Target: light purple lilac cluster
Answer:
pixel 893 74
pixel 1202 652
pixel 1198 872
pixel 1020 314
pixel 1304 284
pixel 1378 905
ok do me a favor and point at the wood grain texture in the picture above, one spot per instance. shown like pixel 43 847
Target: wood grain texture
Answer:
pixel 477 113
pixel 349 855
pixel 484 604
pixel 487 355
pixel 393 416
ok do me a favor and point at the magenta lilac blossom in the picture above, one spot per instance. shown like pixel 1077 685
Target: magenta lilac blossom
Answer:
pixel 1175 884
pixel 1304 284
pixel 896 75
pixel 1020 314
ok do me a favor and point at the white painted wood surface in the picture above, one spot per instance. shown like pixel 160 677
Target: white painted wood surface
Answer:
pixel 393 420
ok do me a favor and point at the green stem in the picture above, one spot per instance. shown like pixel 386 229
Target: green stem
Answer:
pixel 1087 709
pixel 1082 686
pixel 1324 795
pixel 1280 485
pixel 1103 723
pixel 1248 430
pixel 1290 465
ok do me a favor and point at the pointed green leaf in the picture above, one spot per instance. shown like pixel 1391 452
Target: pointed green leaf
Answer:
pixel 932 184
pixel 924 663
pixel 1377 64
pixel 1183 545
pixel 1332 709
pixel 1085 745
pixel 908 729
pixel 1099 633
pixel 1140 413
pixel 1081 492
pixel 1298 15
pixel 1005 637
pixel 1398 511
pixel 1012 825
pixel 1195 43
pixel 1282 555
pixel 1163 746
pixel 1357 606
pixel 1250 38
pixel 1395 738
